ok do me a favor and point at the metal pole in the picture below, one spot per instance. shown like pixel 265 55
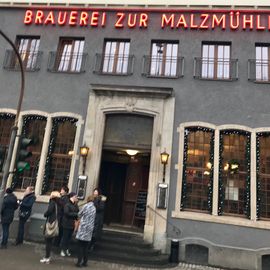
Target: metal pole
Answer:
pixel 14 129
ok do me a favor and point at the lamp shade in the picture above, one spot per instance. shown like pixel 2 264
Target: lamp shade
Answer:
pixel 132 152
pixel 164 157
pixel 84 151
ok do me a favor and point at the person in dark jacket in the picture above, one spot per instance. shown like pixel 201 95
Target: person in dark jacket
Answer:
pixel 51 214
pixel 99 203
pixel 7 214
pixel 64 199
pixel 25 210
pixel 71 210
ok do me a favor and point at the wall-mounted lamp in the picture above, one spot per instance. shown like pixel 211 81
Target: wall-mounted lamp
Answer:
pixel 83 153
pixel 132 152
pixel 164 160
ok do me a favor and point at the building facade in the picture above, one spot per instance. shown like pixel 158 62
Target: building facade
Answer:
pixel 193 82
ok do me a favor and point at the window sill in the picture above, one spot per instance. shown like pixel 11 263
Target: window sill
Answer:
pixel 215 79
pixel 162 77
pixel 228 220
pixel 260 82
pixel 66 72
pixel 19 70
pixel 112 74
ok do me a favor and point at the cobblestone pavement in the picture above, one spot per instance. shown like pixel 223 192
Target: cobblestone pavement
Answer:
pixel 27 256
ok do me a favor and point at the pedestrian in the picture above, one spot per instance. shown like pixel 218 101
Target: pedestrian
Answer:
pixel 99 202
pixel 7 214
pixel 62 202
pixel 25 210
pixel 51 216
pixel 71 210
pixel 85 230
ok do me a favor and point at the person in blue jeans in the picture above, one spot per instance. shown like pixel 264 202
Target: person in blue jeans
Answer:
pixel 7 214
pixel 25 210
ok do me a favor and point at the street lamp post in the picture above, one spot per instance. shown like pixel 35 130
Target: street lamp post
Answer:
pixel 14 129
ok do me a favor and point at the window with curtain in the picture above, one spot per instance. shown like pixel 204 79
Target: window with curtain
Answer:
pixel 234 172
pixel 70 55
pixel 116 56
pixel 198 169
pixel 28 47
pixel 57 168
pixel 262 62
pixel 216 61
pixel 33 128
pixel 164 57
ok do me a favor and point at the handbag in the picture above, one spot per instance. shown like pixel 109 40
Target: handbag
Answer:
pixel 52 229
pixel 23 214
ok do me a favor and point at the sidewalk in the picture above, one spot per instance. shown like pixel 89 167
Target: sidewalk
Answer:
pixel 27 256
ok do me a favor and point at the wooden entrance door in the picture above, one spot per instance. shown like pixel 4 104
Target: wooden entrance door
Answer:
pixel 136 180
pixel 112 184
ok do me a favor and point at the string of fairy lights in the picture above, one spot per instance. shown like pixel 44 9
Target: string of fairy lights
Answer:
pixel 55 124
pixel 27 120
pixel 259 135
pixel 211 171
pixel 222 175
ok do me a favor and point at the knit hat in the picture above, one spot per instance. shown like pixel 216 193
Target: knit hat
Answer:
pixel 72 194
pixel 9 190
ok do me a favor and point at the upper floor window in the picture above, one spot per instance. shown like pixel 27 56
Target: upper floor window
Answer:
pixel 28 48
pixel 234 172
pixel 198 169
pixel 116 56
pixel 164 59
pixel 69 56
pixel 216 61
pixel 262 62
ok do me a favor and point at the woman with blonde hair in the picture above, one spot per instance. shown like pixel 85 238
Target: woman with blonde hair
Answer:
pixel 51 215
pixel 85 230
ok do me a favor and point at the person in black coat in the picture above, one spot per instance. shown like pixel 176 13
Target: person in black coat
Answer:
pixel 7 214
pixel 64 199
pixel 99 203
pixel 71 210
pixel 51 214
pixel 25 210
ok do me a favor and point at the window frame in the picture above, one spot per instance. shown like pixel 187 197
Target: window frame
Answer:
pixel 214 61
pixel 156 61
pixel 65 55
pixel 119 60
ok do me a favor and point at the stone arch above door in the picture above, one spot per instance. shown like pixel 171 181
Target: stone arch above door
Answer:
pixel 157 103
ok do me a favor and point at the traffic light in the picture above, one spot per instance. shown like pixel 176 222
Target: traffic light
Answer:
pixel 23 154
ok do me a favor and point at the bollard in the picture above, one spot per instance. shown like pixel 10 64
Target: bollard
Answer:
pixel 174 251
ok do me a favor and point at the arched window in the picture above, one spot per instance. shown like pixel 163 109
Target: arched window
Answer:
pixel 33 128
pixel 234 173
pixel 198 169
pixel 57 167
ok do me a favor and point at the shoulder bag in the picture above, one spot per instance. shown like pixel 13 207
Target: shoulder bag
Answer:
pixel 52 229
